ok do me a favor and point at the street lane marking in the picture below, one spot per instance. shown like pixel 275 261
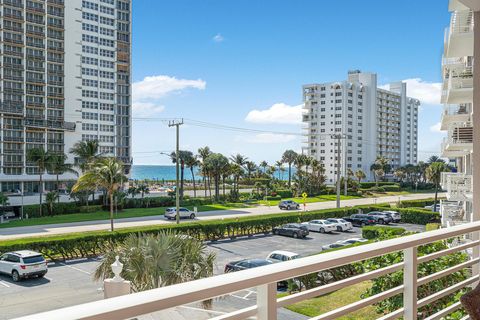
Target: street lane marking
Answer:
pixel 74 268
pixel 4 284
pixel 204 310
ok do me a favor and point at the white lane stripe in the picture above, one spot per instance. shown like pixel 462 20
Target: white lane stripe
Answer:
pixel 4 284
pixel 204 310
pixel 74 268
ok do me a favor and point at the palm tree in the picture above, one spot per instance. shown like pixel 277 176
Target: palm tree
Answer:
pixel 40 158
pixel 251 168
pixel 399 173
pixel 279 165
pixel 182 156
pixel 216 164
pixel 191 162
pixel 434 174
pixel 239 160
pixel 105 173
pixel 153 261
pixel 58 166
pixel 237 172
pixel 374 167
pixel 289 157
pixel 133 191
pixel 3 202
pixel 203 154
pixel 360 175
pixel 85 152
pixel 50 199
pixel 434 159
pixel 143 189
pixel 264 165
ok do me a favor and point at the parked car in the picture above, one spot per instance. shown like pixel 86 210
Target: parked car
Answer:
pixel 288 205
pixel 171 213
pixel 360 220
pixel 333 246
pixel 280 255
pixel 381 217
pixel 352 241
pixel 341 224
pixel 395 215
pixel 321 226
pixel 295 230
pixel 246 264
pixel 23 264
pixel 436 209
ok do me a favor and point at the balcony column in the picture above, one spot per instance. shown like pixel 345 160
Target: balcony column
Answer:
pixel 267 301
pixel 476 135
pixel 410 283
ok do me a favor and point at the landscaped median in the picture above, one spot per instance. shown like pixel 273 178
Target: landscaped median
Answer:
pixel 96 242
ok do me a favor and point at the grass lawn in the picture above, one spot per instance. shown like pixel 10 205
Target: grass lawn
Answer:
pixel 104 215
pixel 334 300
pixel 322 198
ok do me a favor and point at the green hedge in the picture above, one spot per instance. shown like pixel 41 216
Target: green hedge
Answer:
pixel 284 193
pixel 375 232
pixel 411 215
pixel 416 203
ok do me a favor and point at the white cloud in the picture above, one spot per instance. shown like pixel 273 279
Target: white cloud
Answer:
pixel 267 138
pixel 218 38
pixel 156 87
pixel 144 109
pixel 426 92
pixel 436 128
pixel 279 113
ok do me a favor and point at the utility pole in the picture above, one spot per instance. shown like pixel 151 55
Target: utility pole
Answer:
pixel 338 137
pixel 177 124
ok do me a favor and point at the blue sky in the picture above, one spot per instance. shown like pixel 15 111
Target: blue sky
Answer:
pixel 229 62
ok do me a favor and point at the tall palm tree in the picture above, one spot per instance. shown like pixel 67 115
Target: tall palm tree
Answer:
pixel 237 172
pixel 183 155
pixel 203 153
pixel 434 174
pixel 374 167
pixel 57 166
pixel 251 167
pixel 153 261
pixel 264 165
pixel 279 165
pixel 85 152
pixel 40 158
pixel 289 157
pixel 216 164
pixel 191 162
pixel 434 159
pixel 143 189
pixel 360 175
pixel 50 199
pixel 105 173
pixel 239 160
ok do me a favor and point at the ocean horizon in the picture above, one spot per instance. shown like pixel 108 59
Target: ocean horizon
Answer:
pixel 167 172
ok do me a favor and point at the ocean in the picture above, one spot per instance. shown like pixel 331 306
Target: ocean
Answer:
pixel 158 172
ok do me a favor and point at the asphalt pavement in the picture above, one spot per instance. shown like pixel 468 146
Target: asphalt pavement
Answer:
pixel 71 283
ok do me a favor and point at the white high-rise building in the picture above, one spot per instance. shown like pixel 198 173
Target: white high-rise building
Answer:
pixel 372 122
pixel 65 77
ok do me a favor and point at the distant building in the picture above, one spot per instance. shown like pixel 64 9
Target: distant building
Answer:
pixel 65 77
pixel 374 121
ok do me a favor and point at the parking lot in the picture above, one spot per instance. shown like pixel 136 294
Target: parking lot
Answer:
pixel 71 283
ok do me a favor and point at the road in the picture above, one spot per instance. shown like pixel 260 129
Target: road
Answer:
pixel 71 283
pixel 53 229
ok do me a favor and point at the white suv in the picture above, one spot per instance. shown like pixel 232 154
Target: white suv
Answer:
pixel 23 264
pixel 171 213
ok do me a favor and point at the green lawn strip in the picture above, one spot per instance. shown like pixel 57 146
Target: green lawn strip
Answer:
pixel 319 305
pixel 104 215
pixel 322 198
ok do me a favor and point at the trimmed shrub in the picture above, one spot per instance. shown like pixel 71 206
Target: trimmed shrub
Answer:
pixel 392 188
pixel 375 232
pixel 432 226
pixel 367 185
pixel 285 193
pixel 416 203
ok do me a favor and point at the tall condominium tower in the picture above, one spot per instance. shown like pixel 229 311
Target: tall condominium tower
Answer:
pixel 372 122
pixel 65 77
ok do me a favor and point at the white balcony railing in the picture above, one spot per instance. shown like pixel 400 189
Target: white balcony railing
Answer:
pixel 458 39
pixel 459 139
pixel 461 22
pixel 453 213
pixel 264 279
pixel 455 113
pixel 459 186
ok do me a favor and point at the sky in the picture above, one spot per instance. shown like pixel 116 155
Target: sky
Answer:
pixel 242 63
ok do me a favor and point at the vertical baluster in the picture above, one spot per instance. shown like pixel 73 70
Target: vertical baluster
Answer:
pixel 267 301
pixel 410 283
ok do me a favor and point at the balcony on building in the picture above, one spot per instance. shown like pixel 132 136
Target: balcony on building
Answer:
pixel 459 186
pixel 457 85
pixel 455 113
pixel 455 212
pixel 458 38
pixel 459 140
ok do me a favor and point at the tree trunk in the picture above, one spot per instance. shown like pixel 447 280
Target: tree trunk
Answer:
pixel 40 190
pixel 217 186
pixel 194 188
pixel 435 201
pixel 289 175
pixel 111 211
pixel 223 181
pixel 209 181
pixel 58 189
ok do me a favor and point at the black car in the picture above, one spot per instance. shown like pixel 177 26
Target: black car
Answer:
pixel 381 217
pixel 288 205
pixel 295 230
pixel 361 220
pixel 246 264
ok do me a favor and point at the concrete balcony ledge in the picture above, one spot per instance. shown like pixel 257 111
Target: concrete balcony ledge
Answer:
pixel 459 186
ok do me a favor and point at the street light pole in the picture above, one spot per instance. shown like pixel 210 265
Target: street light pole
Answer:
pixel 338 137
pixel 177 125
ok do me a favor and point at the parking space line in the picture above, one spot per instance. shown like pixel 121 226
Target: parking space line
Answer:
pixel 74 268
pixel 4 284
pixel 204 310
